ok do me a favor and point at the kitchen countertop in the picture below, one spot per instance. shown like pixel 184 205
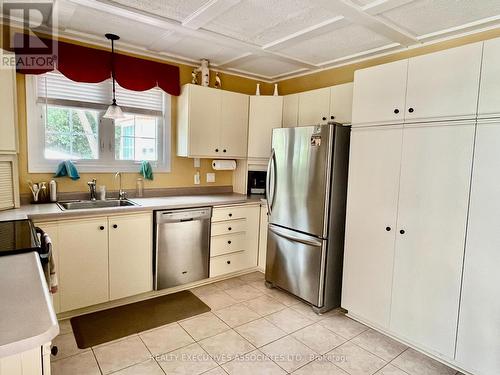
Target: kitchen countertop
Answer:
pixel 27 318
pixel 51 211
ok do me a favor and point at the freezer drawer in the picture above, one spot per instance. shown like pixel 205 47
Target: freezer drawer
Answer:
pixel 182 246
pixel 294 263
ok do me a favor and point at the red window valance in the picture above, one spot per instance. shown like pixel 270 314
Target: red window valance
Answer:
pixel 84 64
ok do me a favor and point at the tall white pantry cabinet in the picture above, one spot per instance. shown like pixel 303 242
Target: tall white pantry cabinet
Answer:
pixel 422 243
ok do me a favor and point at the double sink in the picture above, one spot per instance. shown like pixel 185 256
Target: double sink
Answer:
pixel 87 204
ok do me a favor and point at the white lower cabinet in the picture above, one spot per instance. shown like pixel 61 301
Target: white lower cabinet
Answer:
pixel 130 255
pixel 478 340
pixel 101 259
pixel 264 220
pixel 404 275
pixel 35 361
pixel 83 263
pixel 432 217
pixel 234 239
pixel 374 164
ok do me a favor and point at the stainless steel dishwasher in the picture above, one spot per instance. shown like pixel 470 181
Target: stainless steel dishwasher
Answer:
pixel 182 246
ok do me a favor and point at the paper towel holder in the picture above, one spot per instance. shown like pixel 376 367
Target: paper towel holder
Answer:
pixel 223 165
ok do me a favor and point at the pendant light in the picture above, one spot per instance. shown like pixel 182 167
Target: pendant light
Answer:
pixel 114 111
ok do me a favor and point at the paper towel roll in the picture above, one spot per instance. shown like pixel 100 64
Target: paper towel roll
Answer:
pixel 224 165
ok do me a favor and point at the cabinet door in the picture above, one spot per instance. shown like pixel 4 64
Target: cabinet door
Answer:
pixel 130 255
pixel 314 107
pixel 444 85
pixel 263 237
pixel 83 258
pixel 478 344
pixel 489 105
pixel 290 110
pixel 234 125
pixel 341 103
pixel 265 115
pixel 8 112
pixel 204 121
pixel 372 199
pixel 379 94
pixel 52 230
pixel 430 239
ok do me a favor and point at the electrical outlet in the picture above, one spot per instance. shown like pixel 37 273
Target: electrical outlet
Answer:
pixel 197 178
pixel 210 177
pixel 197 162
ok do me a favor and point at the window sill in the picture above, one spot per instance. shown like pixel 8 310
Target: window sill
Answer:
pixel 50 167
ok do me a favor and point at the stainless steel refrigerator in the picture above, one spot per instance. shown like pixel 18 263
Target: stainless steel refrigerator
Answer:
pixel 306 197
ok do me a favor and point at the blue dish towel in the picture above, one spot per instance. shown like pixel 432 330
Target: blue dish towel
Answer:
pixel 146 170
pixel 67 168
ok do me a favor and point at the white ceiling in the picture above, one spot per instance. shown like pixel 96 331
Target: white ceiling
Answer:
pixel 273 39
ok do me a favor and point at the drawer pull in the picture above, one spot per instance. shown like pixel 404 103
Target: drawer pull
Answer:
pixel 229 242
pixel 101 227
pixel 115 226
pixel 229 228
pixel 230 215
pixel 228 262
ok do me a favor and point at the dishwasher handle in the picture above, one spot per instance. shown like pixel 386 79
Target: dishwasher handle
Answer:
pixel 183 215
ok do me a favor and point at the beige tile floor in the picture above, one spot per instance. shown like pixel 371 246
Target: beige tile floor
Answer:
pixel 250 330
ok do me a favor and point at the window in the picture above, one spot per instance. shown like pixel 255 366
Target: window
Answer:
pixel 65 122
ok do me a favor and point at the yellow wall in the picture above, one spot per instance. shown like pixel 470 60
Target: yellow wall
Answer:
pixel 182 170
pixel 343 74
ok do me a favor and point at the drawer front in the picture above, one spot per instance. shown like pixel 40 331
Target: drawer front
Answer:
pixel 224 264
pixel 228 227
pixel 229 213
pixel 227 244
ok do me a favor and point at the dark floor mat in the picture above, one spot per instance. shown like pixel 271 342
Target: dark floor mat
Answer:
pixel 107 325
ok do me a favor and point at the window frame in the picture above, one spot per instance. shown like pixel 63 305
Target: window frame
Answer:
pixel 37 163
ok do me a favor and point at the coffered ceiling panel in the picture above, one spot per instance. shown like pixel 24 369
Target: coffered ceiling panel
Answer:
pixel 96 23
pixel 427 16
pixel 265 66
pixel 196 49
pixel 336 44
pixel 174 9
pixel 261 22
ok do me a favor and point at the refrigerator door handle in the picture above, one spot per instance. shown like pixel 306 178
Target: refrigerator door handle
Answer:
pixel 307 240
pixel 270 166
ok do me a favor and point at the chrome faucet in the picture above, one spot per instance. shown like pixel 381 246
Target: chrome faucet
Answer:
pixel 121 193
pixel 92 189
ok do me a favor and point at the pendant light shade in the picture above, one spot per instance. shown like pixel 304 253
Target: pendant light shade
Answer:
pixel 114 111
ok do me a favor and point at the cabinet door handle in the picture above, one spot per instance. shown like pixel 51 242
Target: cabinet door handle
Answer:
pixel 402 231
pixel 230 215
pixel 388 229
pixel 332 117
pixel 324 118
pixel 410 110
pixel 228 262
pixel 115 226
pixel 224 150
pixel 216 150
pixel 396 111
pixel 229 242
pixel 101 227
pixel 229 228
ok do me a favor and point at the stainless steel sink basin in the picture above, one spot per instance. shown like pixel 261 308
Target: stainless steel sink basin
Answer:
pixel 83 205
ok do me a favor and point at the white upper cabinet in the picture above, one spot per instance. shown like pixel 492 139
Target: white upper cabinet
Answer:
pixel 372 202
pixel 379 94
pixel 489 102
pixel 265 115
pixel 444 85
pixel 234 125
pixel 210 121
pixel 478 340
pixel 8 112
pixel 341 103
pixel 432 216
pixel 314 107
pixel 290 110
